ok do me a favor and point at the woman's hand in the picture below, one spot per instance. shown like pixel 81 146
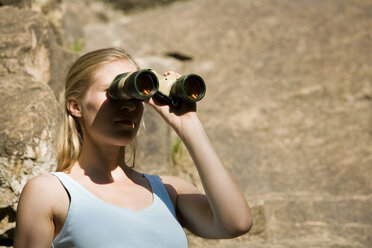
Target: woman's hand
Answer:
pixel 174 115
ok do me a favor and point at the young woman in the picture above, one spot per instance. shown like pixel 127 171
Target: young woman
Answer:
pixel 97 200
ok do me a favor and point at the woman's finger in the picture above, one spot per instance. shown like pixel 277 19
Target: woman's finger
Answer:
pixel 172 73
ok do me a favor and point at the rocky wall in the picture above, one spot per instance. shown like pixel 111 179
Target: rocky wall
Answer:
pixel 32 68
pixel 138 5
pixel 288 107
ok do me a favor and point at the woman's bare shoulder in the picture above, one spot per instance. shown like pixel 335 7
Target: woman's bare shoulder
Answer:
pixel 45 182
pixel 178 184
pixel 38 203
pixel 43 188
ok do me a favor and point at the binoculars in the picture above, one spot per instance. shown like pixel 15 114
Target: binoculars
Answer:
pixel 143 84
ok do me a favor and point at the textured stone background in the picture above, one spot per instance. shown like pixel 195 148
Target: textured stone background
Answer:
pixel 288 104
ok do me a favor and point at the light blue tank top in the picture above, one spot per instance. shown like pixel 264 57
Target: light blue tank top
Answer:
pixel 94 223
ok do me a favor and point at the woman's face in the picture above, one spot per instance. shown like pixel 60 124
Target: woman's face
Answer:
pixel 106 121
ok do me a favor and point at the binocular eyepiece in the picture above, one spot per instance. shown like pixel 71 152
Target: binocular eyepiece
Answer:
pixel 143 84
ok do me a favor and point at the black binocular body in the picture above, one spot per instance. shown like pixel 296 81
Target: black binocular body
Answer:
pixel 143 84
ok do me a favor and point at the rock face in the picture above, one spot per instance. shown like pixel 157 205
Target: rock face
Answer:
pixel 27 135
pixel 132 5
pixel 29 109
pixel 288 107
pixel 50 9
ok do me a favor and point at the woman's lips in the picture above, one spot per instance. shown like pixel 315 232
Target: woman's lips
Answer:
pixel 125 122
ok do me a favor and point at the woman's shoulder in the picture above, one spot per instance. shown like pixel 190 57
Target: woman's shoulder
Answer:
pixel 40 202
pixel 180 190
pixel 178 185
pixel 45 183
pixel 44 188
pixel 172 180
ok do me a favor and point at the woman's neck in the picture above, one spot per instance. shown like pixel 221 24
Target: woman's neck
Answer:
pixel 103 164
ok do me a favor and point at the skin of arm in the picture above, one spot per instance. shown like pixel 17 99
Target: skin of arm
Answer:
pixel 34 224
pixel 222 212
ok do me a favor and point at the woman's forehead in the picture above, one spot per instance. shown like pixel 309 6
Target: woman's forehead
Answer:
pixel 109 71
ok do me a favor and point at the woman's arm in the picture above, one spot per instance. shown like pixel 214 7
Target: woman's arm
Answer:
pixel 34 224
pixel 223 211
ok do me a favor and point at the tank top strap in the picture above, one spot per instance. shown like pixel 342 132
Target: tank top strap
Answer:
pixel 68 184
pixel 160 190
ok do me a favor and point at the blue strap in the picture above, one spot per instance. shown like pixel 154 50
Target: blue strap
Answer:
pixel 160 190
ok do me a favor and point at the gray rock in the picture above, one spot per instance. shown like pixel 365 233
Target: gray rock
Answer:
pixel 18 3
pixel 27 44
pixel 61 60
pixel 135 5
pixel 24 43
pixel 28 126
pixel 51 9
pixel 29 109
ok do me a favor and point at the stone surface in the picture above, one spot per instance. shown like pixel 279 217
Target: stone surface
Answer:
pixel 51 9
pixel 288 107
pixel 30 62
pixel 136 5
pixel 18 3
pixel 24 43
pixel 61 60
pixel 28 126
pixel 27 44
pixel 76 14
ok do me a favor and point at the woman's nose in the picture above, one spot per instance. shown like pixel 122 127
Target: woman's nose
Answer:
pixel 128 106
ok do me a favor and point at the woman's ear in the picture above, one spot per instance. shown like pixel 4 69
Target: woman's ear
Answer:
pixel 73 107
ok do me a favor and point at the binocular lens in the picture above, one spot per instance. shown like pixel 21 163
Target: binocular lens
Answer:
pixel 194 88
pixel 143 84
pixel 146 83
pixel 138 85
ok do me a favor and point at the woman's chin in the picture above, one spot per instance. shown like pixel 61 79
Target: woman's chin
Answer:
pixel 123 141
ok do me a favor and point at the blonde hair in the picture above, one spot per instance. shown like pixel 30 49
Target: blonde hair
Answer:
pixel 70 139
